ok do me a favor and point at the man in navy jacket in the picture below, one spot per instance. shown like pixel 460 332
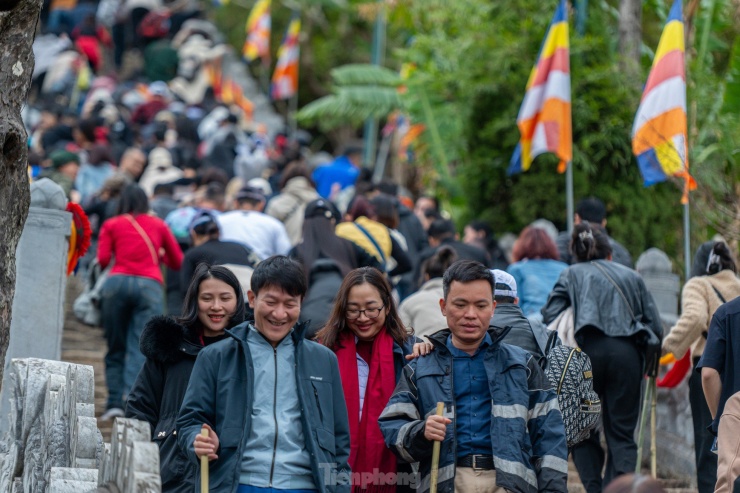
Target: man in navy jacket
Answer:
pixel 271 401
pixel 508 432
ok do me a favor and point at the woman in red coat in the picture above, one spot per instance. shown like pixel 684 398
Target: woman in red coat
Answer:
pixel 133 292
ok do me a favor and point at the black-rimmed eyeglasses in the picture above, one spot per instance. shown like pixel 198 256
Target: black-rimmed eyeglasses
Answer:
pixel 369 313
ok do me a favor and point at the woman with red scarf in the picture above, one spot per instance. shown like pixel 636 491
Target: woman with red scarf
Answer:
pixel 372 346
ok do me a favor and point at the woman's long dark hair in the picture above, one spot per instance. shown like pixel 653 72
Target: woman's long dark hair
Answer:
pixel 329 334
pixel 319 240
pixel 189 317
pixel 132 200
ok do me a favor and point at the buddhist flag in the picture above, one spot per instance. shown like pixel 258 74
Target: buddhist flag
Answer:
pixel 544 119
pixel 257 44
pixel 285 78
pixel 659 135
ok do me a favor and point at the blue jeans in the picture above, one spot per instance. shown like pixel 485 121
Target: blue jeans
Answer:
pixel 245 488
pixel 127 303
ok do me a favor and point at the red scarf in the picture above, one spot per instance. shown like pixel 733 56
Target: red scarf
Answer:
pixel 367 447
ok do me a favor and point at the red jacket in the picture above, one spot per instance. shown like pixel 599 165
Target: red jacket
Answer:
pixel 133 257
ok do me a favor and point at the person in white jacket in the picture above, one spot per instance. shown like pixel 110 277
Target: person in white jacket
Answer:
pixel 421 310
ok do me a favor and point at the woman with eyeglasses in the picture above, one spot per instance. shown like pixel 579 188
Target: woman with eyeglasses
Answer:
pixel 372 346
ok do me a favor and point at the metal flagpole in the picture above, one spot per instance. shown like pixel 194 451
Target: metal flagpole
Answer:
pixel 292 111
pixel 569 195
pixel 687 239
pixel 376 58
pixel 581 17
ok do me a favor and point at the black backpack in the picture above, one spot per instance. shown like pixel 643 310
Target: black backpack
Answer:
pixel 570 373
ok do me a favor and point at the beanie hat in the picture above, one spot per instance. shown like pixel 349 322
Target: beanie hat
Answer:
pixel 60 158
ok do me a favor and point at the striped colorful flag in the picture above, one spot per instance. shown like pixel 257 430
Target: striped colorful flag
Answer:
pixel 257 44
pixel 285 78
pixel 544 119
pixel 659 134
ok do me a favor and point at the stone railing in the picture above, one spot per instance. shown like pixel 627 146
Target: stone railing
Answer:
pixel 53 444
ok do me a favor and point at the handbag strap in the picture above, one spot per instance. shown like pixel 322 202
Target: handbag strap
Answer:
pixel 145 237
pixel 624 298
pixel 719 295
pixel 372 240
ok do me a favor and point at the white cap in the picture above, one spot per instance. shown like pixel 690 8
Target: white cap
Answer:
pixel 504 284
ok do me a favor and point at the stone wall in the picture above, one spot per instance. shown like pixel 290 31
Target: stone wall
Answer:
pixel 53 444
pixel 38 305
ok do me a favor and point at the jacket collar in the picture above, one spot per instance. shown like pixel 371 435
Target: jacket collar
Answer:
pixel 432 284
pixel 240 331
pixel 439 339
pixel 506 314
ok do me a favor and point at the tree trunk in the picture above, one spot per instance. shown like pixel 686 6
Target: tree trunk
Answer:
pixel 630 36
pixel 18 20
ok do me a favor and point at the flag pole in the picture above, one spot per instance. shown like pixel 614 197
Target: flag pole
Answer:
pixel 377 57
pixel 687 239
pixel 292 111
pixel 569 194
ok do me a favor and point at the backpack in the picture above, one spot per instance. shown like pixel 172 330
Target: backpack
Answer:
pixel 569 371
pixel 86 306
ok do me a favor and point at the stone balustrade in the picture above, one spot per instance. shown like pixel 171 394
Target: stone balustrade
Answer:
pixel 53 444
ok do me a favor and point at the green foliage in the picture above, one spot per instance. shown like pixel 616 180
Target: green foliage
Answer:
pixel 471 60
pixel 360 92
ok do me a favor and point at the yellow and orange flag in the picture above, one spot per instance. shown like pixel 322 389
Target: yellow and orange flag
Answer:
pixel 285 78
pixel 257 44
pixel 659 134
pixel 544 119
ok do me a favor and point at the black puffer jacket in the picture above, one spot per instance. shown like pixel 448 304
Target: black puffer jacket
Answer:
pixel 170 350
pixel 598 304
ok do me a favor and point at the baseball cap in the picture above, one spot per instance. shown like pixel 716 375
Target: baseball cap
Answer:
pixel 321 207
pixel 250 193
pixel 504 285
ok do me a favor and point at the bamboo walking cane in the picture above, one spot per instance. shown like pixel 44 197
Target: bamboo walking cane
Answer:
pixel 653 445
pixel 204 467
pixel 643 420
pixel 435 454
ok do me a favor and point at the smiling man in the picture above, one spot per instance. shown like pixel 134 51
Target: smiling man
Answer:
pixel 502 429
pixel 271 401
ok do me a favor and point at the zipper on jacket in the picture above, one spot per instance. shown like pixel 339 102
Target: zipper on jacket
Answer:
pixel 318 406
pixel 274 417
pixel 454 415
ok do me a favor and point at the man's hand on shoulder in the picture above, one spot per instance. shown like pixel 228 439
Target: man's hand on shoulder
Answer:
pixel 206 445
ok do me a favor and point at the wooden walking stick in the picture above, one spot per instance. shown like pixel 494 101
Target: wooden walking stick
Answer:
pixel 435 454
pixel 653 446
pixel 643 420
pixel 204 467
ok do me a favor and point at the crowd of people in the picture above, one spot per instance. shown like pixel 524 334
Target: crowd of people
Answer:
pixel 310 319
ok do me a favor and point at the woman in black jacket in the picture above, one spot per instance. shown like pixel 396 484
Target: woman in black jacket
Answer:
pixel 613 315
pixel 214 302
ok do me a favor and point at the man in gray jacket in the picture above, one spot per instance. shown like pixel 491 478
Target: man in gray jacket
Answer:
pixel 272 402
pixel 530 335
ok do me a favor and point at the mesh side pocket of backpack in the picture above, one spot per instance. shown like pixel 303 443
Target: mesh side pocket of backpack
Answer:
pixel 569 371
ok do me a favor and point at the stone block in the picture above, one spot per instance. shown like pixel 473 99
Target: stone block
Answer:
pixel 145 483
pixel 41 258
pixel 74 474
pixel 67 486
